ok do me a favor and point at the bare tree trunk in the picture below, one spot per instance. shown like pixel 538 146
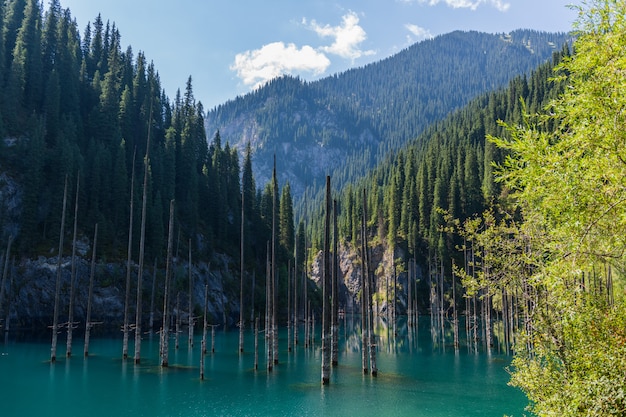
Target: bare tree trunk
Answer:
pixel 326 293
pixel 409 300
pixel 295 296
pixel 55 318
pixel 274 277
pixel 70 320
pixel 213 338
pixel 289 306
pixel 154 273
pixel 455 317
pixel 370 291
pixel 252 310
pixel 88 323
pixel 168 272
pixel 178 322
pixel 241 323
pixel 125 328
pixel 335 289
pixel 256 344
pixel 204 328
pixel 4 275
pixel 191 317
pixel 306 308
pixel 142 242
pixel 268 311
pixel 364 297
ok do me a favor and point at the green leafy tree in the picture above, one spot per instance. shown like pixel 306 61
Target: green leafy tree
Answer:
pixel 566 168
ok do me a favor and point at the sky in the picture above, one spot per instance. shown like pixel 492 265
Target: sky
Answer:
pixel 230 47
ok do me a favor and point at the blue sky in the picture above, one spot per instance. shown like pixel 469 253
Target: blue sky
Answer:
pixel 229 47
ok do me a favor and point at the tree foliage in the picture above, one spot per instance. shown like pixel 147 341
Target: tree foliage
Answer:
pixel 565 170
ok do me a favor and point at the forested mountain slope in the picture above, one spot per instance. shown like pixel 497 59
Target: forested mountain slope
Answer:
pixel 345 124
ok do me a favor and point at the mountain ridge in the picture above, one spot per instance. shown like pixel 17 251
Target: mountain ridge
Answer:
pixel 344 124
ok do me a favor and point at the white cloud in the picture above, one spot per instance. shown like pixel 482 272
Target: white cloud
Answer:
pixel 501 5
pixel 418 32
pixel 258 66
pixel 347 37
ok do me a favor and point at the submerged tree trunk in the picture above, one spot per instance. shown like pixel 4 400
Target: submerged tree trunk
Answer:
pixel 289 306
pixel 154 274
pixel 125 328
pixel 4 276
pixel 326 293
pixel 142 242
pixel 370 290
pixel 55 318
pixel 364 356
pixel 70 319
pixel 256 344
pixel 335 290
pixel 178 321
pixel 88 323
pixel 168 272
pixel 241 324
pixel 274 276
pixel 268 311
pixel 205 326
pixel 295 296
pixel 191 317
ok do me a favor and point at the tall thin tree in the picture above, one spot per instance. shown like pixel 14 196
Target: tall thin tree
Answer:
pixel 165 334
pixel 88 323
pixel 55 317
pixel 126 326
pixel 142 244
pixel 335 289
pixel 273 272
pixel 241 260
pixel 191 317
pixel 70 320
pixel 326 293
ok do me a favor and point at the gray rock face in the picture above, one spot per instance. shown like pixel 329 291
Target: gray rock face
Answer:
pixel 30 293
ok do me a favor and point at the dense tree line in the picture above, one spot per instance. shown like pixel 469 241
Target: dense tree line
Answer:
pixel 83 107
pixel 447 172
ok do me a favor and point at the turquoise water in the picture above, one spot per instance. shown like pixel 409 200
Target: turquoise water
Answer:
pixel 415 379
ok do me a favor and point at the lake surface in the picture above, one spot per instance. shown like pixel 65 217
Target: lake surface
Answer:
pixel 416 378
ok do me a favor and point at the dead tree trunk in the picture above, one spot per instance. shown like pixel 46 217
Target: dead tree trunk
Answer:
pixel 154 274
pixel 268 311
pixel 205 326
pixel 191 317
pixel 274 276
pixel 55 317
pixel 455 317
pixel 70 319
pixel 125 328
pixel 364 356
pixel 370 292
pixel 326 293
pixel 4 275
pixel 241 261
pixel 142 242
pixel 256 344
pixel 409 300
pixel 165 334
pixel 295 296
pixel 335 290
pixel 289 306
pixel 178 322
pixel 88 323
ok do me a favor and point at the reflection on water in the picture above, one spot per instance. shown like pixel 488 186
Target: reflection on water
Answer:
pixel 417 377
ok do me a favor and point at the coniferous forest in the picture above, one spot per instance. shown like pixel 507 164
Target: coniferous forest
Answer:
pixel 76 104
pixel 505 206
